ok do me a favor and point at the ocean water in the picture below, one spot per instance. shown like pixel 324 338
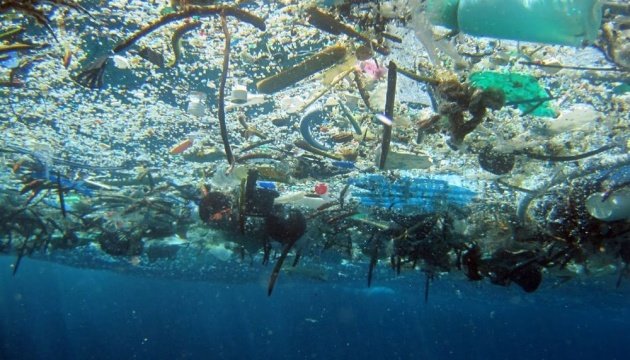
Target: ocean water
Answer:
pixel 49 311
pixel 493 162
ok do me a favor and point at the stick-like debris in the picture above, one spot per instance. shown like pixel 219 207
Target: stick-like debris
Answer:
pixel 302 144
pixel 558 66
pixel 362 92
pixel 255 145
pixel 320 61
pixel 62 202
pixel 221 110
pixel 328 23
pixel 576 157
pixel 389 113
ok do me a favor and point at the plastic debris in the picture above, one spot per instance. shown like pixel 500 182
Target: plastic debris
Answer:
pixel 517 88
pixel 410 193
pixel 564 22
pixel 405 161
pixel 11 61
pixel 269 185
pixel 197 103
pixel 612 208
pixel 288 77
pixel 321 188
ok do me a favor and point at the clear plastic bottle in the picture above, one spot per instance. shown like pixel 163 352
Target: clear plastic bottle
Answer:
pixel 563 22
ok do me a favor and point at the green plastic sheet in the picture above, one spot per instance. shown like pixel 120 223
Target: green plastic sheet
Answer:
pixel 518 88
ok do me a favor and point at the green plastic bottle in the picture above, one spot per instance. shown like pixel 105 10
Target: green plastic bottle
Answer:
pixel 562 22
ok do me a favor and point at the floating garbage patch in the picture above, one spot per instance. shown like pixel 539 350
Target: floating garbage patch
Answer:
pixel 328 141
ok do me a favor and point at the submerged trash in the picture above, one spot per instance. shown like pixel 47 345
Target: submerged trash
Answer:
pixel 405 161
pixel 496 162
pixel 612 208
pixel 310 66
pixel 285 226
pixel 409 194
pixel 11 61
pixel 519 89
pixel 315 113
pixel 564 22
pixel 181 147
pixel 197 103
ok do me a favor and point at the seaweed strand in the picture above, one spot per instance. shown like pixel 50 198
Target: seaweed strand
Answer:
pixel 302 144
pixel 417 77
pixel 328 23
pixel 276 269
pixel 221 111
pixel 177 36
pixel 201 11
pixel 554 158
pixel 557 66
pixel 255 145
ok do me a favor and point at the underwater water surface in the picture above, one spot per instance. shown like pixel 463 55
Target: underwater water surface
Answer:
pixel 54 312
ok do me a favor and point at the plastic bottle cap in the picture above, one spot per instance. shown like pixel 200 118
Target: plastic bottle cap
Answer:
pixel 239 94
pixel 321 189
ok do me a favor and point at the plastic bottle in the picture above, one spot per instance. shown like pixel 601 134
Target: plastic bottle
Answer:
pixel 563 22
pixel 615 207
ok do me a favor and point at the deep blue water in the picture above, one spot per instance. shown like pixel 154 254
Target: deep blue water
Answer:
pixel 48 311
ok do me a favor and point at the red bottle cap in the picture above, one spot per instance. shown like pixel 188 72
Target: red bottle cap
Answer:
pixel 321 188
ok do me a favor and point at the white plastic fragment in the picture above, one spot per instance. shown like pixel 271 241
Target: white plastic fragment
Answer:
pixel 577 117
pixel 121 62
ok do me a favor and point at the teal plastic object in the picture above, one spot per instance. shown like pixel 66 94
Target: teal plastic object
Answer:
pixel 562 22
pixel 518 88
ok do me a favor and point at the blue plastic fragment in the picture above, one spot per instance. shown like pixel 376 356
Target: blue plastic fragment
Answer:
pixel 11 61
pixel 67 184
pixel 344 164
pixel 616 179
pixel 270 185
pixel 619 176
pixel 410 193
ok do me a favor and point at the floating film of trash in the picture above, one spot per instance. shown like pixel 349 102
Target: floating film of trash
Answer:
pixel 338 140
